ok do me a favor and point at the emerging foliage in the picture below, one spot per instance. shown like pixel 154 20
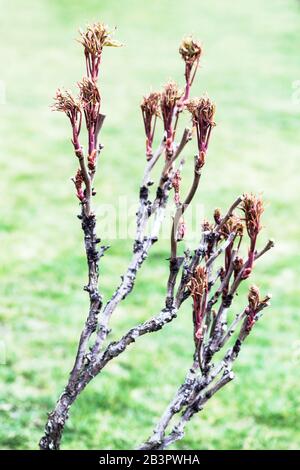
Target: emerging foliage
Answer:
pixel 210 275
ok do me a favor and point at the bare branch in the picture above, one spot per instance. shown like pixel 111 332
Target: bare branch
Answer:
pixel 229 213
pixel 211 286
pixel 268 247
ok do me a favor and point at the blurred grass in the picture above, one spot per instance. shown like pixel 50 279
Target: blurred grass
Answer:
pixel 248 68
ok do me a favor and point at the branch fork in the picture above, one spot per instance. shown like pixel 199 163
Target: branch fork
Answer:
pixel 210 275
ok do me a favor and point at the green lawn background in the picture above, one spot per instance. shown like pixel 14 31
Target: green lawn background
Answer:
pixel 250 63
